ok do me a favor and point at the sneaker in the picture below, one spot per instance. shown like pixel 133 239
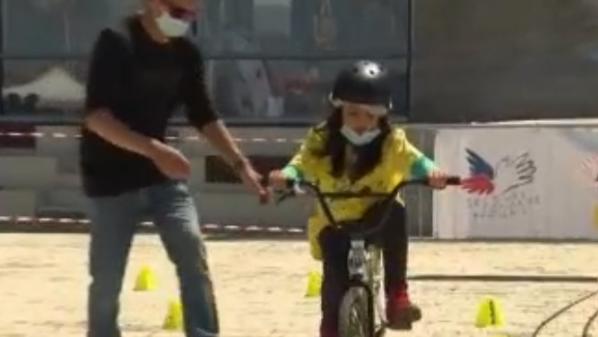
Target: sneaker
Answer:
pixel 400 312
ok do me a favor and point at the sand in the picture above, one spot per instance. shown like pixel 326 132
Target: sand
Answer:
pixel 260 286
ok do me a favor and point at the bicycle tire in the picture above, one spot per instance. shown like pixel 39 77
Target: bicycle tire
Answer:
pixel 354 317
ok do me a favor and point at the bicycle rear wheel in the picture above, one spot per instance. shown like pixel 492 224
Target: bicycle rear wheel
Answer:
pixel 354 316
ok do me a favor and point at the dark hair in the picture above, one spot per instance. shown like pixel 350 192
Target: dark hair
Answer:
pixel 368 156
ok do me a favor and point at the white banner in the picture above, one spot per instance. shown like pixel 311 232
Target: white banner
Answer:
pixel 525 183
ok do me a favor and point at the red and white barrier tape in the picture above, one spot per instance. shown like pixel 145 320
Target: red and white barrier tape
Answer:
pixel 62 135
pixel 27 220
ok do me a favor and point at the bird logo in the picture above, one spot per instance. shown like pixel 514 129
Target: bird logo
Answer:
pixel 508 173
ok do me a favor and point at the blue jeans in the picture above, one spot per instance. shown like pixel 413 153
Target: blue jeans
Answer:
pixel 113 223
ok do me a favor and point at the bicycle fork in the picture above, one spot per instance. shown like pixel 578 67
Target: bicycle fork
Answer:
pixel 360 277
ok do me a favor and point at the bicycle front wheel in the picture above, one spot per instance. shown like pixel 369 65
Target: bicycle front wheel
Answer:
pixel 354 316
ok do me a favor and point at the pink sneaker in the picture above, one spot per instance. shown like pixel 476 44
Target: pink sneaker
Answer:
pixel 400 312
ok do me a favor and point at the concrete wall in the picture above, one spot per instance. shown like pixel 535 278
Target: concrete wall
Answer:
pixel 484 60
pixel 45 181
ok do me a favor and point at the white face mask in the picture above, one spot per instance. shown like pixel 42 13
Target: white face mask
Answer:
pixel 359 139
pixel 170 26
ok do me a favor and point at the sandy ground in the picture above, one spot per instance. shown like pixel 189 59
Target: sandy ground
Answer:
pixel 260 287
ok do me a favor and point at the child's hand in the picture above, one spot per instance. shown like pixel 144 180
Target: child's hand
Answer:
pixel 277 179
pixel 438 179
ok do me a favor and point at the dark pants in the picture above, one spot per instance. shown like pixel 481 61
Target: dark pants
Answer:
pixel 113 223
pixel 335 247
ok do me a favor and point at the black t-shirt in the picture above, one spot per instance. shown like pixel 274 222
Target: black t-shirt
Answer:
pixel 142 83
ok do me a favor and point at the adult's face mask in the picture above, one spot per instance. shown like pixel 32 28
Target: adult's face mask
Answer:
pixel 170 26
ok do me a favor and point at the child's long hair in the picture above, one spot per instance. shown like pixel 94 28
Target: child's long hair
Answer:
pixel 368 156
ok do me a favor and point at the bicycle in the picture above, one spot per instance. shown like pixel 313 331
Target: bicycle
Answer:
pixel 361 312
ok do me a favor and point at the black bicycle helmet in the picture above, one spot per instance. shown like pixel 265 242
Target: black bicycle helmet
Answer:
pixel 364 82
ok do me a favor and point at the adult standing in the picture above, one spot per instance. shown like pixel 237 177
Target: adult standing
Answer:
pixel 140 74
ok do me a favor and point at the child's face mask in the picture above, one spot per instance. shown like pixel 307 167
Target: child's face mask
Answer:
pixel 360 123
pixel 359 138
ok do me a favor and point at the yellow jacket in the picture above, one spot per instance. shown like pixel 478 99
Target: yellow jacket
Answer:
pixel 400 160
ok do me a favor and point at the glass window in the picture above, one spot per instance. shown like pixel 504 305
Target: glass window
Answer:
pixel 266 60
pixel 287 90
pixel 310 27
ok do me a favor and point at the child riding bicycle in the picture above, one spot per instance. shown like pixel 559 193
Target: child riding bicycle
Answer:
pixel 357 149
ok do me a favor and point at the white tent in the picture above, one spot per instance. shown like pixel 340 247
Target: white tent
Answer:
pixel 56 87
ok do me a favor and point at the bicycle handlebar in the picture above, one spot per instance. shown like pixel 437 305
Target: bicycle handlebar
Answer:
pixel 295 186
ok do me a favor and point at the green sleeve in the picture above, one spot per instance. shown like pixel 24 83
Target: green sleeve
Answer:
pixel 305 163
pixel 422 167
pixel 291 171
